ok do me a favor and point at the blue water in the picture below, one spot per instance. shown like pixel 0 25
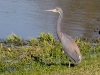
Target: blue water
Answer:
pixel 27 18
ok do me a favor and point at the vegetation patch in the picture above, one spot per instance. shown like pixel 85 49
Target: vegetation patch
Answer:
pixel 44 56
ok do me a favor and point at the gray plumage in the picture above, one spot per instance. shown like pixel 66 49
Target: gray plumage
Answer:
pixel 70 49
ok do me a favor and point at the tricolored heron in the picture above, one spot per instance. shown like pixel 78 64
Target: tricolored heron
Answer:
pixel 69 46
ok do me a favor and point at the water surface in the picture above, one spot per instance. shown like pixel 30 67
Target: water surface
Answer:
pixel 27 17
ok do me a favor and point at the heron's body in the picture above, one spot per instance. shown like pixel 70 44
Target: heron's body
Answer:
pixel 69 46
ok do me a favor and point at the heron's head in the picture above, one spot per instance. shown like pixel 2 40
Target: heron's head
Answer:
pixel 57 9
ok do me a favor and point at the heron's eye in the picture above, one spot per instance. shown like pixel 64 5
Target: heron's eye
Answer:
pixel 56 9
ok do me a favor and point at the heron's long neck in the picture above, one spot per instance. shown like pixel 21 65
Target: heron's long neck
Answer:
pixel 59 32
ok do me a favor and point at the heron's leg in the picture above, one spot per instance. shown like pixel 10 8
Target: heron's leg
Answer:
pixel 69 64
pixel 69 68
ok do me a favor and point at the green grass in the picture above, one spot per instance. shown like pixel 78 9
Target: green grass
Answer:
pixel 44 56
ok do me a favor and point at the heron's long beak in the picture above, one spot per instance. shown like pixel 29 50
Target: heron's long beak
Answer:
pixel 52 10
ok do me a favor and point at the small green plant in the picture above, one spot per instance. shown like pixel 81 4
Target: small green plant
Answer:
pixel 46 38
pixel 33 42
pixel 13 39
